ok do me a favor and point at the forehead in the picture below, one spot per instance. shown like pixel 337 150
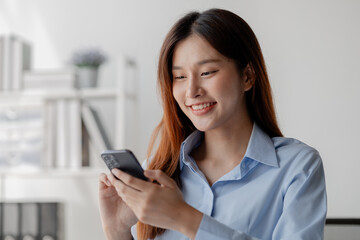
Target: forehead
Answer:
pixel 194 49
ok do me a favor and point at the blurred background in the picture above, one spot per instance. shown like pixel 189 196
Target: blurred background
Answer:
pixel 79 76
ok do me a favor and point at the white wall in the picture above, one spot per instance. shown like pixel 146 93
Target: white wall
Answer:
pixel 311 49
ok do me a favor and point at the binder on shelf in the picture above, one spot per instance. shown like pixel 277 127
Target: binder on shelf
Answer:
pixel 10 220
pixel 15 58
pixel 29 221
pixel 51 221
pixel 1 217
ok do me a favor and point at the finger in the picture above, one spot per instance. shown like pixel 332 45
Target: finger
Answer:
pixel 112 179
pixel 104 181
pixel 160 177
pixel 124 191
pixel 129 180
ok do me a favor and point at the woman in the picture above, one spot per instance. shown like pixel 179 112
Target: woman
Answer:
pixel 222 169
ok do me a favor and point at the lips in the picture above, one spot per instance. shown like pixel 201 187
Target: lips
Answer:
pixel 201 108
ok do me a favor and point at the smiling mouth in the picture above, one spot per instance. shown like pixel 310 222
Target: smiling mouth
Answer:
pixel 201 106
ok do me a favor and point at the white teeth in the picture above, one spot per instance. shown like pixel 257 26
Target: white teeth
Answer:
pixel 201 106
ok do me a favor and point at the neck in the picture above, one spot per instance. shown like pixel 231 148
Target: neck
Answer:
pixel 226 143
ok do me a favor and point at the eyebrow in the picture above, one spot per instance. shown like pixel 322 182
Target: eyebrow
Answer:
pixel 202 62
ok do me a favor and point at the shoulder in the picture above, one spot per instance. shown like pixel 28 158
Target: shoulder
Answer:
pixel 294 154
pixel 300 167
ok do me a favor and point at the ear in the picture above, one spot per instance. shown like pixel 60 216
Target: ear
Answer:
pixel 248 75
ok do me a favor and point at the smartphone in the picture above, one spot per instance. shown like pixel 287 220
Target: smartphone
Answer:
pixel 124 160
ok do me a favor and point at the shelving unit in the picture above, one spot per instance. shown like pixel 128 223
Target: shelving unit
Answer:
pixel 75 188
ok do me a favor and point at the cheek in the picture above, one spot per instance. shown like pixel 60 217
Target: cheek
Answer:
pixel 179 96
pixel 178 93
pixel 226 87
pixel 228 90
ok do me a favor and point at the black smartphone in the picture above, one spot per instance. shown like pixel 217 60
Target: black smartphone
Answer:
pixel 124 160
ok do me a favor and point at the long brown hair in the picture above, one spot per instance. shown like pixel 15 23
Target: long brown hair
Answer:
pixel 231 36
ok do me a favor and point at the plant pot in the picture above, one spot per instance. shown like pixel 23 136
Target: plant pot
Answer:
pixel 86 77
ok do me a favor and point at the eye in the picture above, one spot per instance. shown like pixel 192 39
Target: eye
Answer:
pixel 208 73
pixel 179 77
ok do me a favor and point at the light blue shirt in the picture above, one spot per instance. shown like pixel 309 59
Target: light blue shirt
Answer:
pixel 276 192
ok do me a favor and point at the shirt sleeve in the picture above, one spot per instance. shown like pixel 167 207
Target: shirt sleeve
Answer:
pixel 211 229
pixel 304 208
pixel 305 201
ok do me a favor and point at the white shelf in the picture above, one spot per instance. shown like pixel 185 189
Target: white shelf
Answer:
pixel 52 172
pixel 60 94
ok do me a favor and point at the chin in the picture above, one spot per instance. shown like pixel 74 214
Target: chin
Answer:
pixel 204 124
pixel 202 128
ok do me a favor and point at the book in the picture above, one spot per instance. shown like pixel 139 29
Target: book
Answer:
pixel 59 79
pixel 62 134
pixel 98 139
pixel 6 63
pixel 49 134
pixel 85 148
pixel 2 58
pixel 15 58
pixel 74 137
pixel 21 57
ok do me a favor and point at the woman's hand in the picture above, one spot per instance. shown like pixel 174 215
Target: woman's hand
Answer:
pixel 116 217
pixel 160 205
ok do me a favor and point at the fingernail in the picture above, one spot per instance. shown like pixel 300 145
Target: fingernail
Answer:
pixel 114 170
pixel 108 183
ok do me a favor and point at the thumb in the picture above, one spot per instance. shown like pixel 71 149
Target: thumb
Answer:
pixel 159 176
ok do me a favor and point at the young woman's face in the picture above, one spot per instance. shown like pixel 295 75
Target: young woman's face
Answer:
pixel 207 85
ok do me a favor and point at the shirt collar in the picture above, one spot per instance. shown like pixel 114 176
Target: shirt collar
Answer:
pixel 190 143
pixel 260 148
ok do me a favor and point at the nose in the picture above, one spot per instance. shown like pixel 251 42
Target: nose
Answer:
pixel 194 88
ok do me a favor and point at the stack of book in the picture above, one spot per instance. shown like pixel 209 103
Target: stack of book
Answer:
pixel 49 80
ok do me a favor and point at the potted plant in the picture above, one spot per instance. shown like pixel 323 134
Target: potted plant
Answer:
pixel 87 62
